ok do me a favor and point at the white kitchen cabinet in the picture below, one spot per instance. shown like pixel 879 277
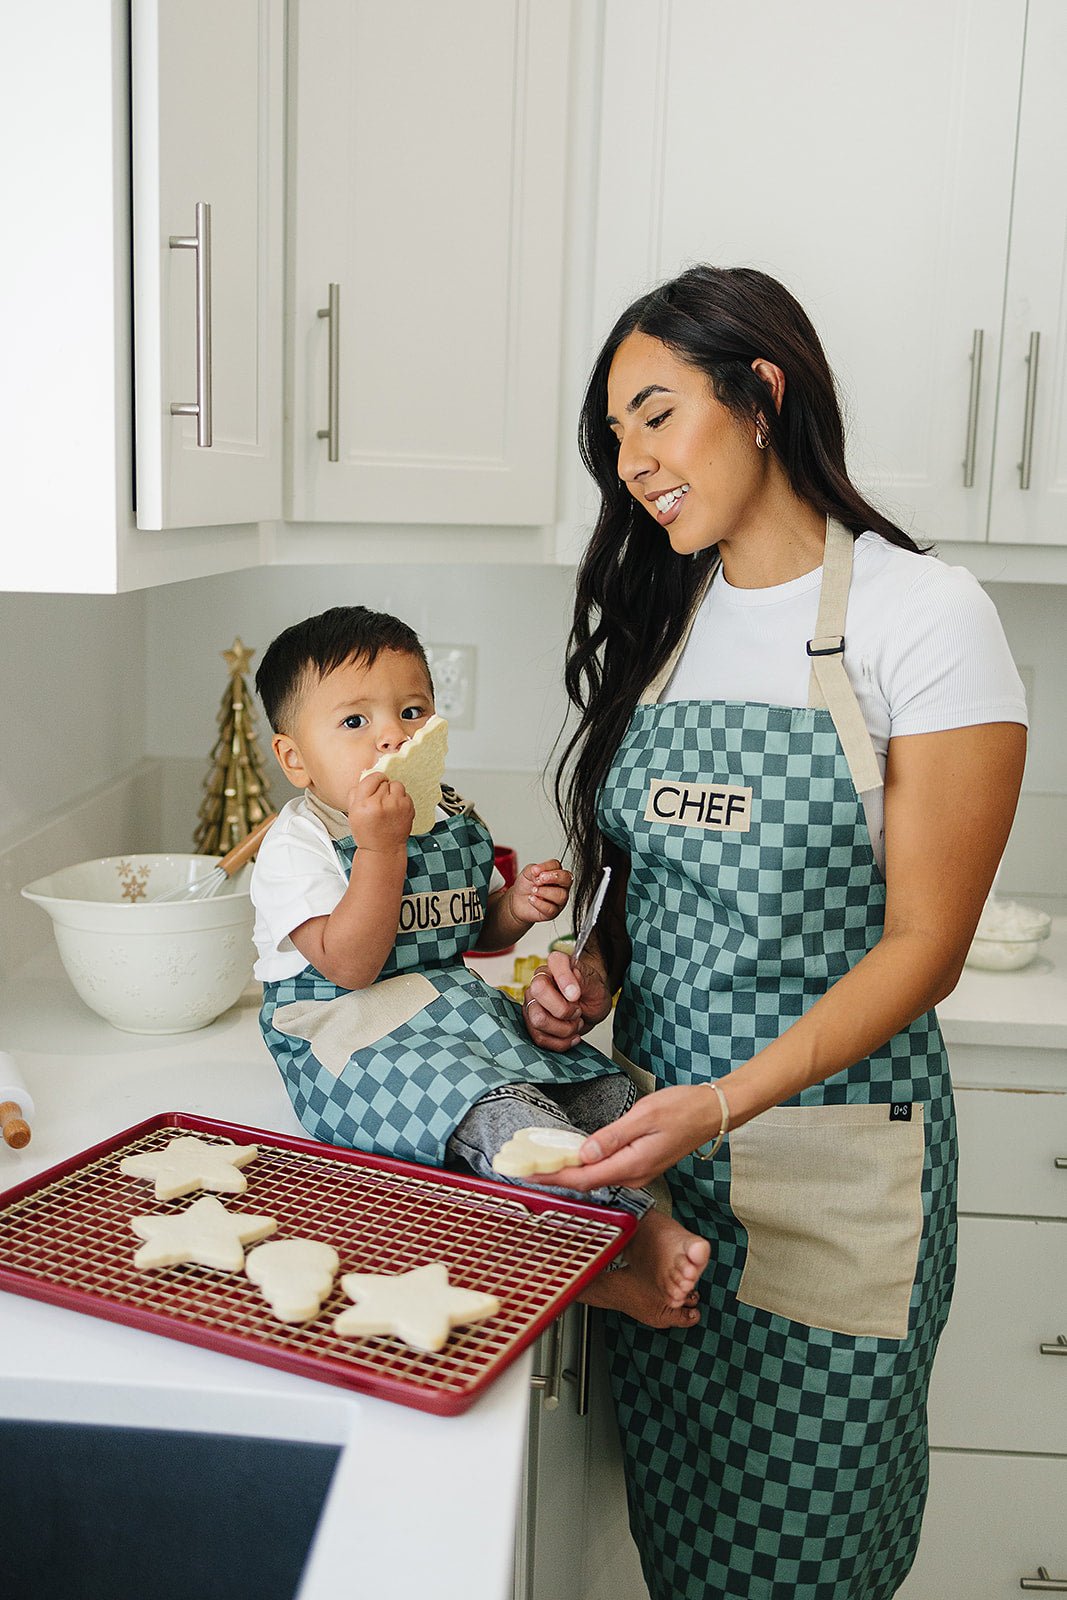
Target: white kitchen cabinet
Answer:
pixel 998 1392
pixel 208 122
pixel 918 213
pixel 66 412
pixel 760 136
pixel 427 157
pixel 573 1539
pixel 1029 503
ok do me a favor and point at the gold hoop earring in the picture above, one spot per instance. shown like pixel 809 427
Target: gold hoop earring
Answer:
pixel 761 439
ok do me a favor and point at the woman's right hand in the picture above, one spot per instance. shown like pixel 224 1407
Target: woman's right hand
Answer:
pixel 563 1001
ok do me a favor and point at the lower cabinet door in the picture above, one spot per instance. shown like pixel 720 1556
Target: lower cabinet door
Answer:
pixel 992 1523
pixel 551 1523
pixel 1000 1378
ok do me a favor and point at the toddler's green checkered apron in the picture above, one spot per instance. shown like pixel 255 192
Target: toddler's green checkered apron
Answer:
pixel 394 1067
pixel 778 1451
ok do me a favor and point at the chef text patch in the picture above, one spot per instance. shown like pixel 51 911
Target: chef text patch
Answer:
pixel 440 908
pixel 699 805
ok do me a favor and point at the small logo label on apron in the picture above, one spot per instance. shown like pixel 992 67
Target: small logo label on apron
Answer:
pixel 699 805
pixel 900 1111
pixel 440 908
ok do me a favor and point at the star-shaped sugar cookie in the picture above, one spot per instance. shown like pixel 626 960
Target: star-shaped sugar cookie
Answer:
pixel 418 765
pixel 295 1276
pixel 421 1306
pixel 185 1165
pixel 205 1234
pixel 533 1150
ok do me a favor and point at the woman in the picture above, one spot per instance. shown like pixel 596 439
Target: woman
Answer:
pixel 800 747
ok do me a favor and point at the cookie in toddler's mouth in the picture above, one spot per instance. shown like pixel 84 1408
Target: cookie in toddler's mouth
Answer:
pixel 419 765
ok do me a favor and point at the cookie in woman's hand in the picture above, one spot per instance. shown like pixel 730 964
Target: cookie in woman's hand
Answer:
pixel 533 1150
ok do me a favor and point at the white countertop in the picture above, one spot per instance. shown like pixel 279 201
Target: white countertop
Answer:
pixel 1027 1008
pixel 460 1475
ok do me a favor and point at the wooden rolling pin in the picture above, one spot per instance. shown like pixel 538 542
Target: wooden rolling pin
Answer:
pixel 16 1104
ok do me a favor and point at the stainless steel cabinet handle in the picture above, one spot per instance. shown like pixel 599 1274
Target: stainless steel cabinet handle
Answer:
pixel 1060 1162
pixel 200 408
pixel 332 311
pixel 581 1377
pixel 1028 414
pixel 549 1382
pixel 1043 1582
pixel 970 448
pixel 1058 1346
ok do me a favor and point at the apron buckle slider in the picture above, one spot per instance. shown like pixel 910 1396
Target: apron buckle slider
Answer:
pixel 832 645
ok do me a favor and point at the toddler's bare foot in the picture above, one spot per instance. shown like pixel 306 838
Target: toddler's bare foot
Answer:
pixel 658 1284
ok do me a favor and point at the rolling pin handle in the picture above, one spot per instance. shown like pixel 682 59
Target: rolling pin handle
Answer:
pixel 13 1125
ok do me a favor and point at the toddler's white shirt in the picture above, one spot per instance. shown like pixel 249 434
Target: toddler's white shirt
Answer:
pixel 297 875
pixel 924 650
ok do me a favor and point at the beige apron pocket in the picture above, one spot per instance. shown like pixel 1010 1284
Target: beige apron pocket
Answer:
pixel 354 1021
pixel 831 1198
pixel 645 1083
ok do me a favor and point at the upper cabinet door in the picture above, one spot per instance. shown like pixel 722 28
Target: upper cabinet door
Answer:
pixel 208 127
pixel 428 191
pixel 863 155
pixel 1030 477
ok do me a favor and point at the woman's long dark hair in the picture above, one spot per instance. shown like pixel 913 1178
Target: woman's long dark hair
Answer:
pixel 634 593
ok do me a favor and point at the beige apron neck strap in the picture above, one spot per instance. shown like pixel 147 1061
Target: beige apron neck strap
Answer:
pixel 829 686
pixel 335 822
pixel 663 676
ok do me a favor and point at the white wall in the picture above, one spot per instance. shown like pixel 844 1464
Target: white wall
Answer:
pixel 516 617
pixel 72 700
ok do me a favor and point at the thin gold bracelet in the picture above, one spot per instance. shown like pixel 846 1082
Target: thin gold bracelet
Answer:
pixel 705 1154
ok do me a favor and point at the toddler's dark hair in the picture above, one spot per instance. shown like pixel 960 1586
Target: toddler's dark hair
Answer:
pixel 318 645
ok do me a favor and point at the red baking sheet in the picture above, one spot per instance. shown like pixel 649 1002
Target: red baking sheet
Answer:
pixel 65 1237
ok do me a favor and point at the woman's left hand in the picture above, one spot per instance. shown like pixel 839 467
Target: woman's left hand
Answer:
pixel 653 1135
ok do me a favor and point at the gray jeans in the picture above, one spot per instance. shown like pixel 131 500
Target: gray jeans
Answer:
pixel 493 1119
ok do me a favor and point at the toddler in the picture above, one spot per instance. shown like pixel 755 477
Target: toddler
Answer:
pixel 386 1040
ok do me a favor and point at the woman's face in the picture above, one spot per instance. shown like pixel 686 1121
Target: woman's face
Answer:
pixel 688 460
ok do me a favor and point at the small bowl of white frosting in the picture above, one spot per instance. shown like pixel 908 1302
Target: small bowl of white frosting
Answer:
pixel 1008 936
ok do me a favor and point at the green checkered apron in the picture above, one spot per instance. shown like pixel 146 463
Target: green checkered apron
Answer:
pixel 779 1448
pixel 393 1068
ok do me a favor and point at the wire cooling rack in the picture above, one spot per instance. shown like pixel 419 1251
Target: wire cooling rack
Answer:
pixel 65 1237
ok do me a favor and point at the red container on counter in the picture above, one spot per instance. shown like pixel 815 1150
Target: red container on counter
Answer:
pixel 507 864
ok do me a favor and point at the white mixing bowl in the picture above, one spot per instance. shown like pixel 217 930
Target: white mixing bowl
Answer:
pixel 149 968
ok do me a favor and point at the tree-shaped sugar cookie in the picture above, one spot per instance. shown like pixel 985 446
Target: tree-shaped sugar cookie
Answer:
pixel 421 1307
pixel 186 1164
pixel 419 766
pixel 295 1275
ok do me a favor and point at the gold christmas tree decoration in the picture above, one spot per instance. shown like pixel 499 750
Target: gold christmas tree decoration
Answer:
pixel 236 789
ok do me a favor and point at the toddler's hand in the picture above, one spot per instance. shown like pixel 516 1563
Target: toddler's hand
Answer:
pixel 540 892
pixel 381 813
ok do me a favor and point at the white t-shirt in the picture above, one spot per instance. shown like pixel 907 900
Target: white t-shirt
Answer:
pixel 924 650
pixel 297 875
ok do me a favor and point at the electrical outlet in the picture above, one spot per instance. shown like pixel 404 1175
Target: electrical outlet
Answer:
pixel 452 668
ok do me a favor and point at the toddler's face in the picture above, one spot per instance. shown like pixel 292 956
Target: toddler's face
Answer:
pixel 350 718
